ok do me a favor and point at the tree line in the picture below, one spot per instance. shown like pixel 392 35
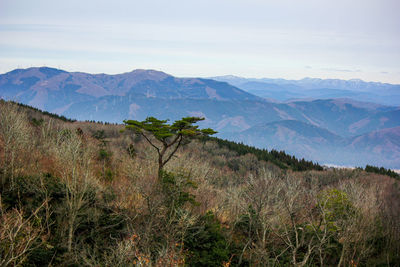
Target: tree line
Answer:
pixel 279 158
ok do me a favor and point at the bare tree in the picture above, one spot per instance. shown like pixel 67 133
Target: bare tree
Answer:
pixel 292 221
pixel 278 211
pixel 358 225
pixel 75 161
pixel 14 133
pixel 18 235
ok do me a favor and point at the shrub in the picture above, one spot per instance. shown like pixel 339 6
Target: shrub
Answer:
pixel 205 243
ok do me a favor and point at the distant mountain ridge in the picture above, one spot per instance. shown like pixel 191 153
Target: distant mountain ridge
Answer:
pixel 286 90
pixel 314 129
pixel 49 88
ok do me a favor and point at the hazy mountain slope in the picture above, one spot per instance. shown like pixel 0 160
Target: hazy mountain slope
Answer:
pixel 380 120
pixel 342 118
pixel 379 147
pixel 373 140
pixel 345 117
pixel 224 116
pixel 228 115
pixel 299 138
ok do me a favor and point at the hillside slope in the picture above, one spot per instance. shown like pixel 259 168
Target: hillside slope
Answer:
pixel 89 194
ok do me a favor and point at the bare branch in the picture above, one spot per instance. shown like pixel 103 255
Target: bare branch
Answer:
pixel 149 141
pixel 173 152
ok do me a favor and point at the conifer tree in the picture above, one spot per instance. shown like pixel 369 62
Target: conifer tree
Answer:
pixel 167 138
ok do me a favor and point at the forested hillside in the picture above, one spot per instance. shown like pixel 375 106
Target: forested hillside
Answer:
pixel 89 194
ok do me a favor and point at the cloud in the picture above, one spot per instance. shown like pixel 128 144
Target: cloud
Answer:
pixel 340 70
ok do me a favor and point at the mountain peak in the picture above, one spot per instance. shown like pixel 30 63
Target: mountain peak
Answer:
pixel 48 71
pixel 148 74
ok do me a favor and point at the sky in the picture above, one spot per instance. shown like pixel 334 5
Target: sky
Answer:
pixel 292 39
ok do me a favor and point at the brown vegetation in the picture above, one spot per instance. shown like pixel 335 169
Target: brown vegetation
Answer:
pixel 88 194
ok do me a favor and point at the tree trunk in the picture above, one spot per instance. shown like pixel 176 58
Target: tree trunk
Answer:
pixel 161 162
pixel 70 234
pixel 341 256
pixel 12 169
pixel 160 166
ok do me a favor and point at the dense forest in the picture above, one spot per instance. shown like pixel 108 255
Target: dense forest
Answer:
pixel 89 194
pixel 279 158
pixel 382 170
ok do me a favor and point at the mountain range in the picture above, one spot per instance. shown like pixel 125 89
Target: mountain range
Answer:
pixel 311 88
pixel 333 130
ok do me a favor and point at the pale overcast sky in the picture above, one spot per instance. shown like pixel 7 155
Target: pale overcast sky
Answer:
pixel 252 38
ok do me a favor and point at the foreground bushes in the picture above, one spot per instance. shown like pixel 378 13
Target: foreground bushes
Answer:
pixel 59 206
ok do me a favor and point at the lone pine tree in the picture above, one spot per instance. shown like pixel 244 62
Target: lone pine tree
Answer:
pixel 167 138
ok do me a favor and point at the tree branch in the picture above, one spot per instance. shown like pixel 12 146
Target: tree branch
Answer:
pixel 174 141
pixel 173 152
pixel 148 140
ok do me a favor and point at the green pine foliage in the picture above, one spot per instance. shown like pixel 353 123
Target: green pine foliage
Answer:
pixel 382 171
pixel 168 137
pixel 279 158
pixel 206 243
pixel 52 115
